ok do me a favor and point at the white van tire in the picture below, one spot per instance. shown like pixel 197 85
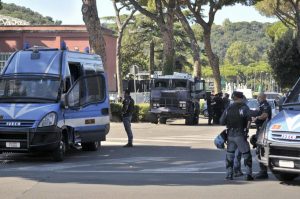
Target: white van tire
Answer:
pixel 59 153
pixel 91 146
pixel 285 176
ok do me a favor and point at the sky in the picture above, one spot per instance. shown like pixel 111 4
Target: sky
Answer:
pixel 69 11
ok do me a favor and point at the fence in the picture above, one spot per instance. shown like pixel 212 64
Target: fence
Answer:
pixel 3 58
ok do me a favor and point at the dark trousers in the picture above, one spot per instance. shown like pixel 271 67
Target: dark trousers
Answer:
pixel 127 126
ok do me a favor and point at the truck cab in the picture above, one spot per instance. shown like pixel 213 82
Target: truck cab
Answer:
pixel 176 96
pixel 51 100
pixel 279 140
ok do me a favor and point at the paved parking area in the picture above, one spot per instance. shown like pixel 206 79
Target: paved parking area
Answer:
pixel 167 161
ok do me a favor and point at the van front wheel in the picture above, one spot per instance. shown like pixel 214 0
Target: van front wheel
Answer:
pixel 91 146
pixel 59 153
pixel 285 176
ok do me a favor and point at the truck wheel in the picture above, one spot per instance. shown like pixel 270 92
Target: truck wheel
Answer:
pixel 189 120
pixel 154 119
pixel 162 120
pixel 91 146
pixel 285 176
pixel 59 153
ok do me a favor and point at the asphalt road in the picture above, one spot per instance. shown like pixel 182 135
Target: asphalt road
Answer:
pixel 167 161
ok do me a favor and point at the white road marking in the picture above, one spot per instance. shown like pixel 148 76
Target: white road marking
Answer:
pixel 61 166
pixel 191 167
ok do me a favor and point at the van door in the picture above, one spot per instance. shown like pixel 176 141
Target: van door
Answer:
pixel 87 109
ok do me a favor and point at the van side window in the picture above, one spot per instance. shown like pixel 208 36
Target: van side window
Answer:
pixel 94 89
pixel 87 90
pixel 75 71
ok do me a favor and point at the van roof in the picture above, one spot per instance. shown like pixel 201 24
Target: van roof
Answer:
pixel 48 61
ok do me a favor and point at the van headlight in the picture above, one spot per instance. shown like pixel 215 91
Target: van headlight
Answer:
pixel 48 120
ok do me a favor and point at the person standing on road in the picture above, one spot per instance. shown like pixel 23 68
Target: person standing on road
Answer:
pixel 217 108
pixel 209 108
pixel 237 120
pixel 264 114
pixel 127 111
pixel 226 101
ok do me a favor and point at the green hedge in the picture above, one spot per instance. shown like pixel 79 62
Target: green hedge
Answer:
pixel 140 112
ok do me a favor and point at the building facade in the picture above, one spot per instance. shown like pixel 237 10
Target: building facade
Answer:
pixel 13 38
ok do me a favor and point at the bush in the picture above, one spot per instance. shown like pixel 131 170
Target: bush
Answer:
pixel 140 112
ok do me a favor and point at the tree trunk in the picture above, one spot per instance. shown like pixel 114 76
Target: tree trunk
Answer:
pixel 151 59
pixel 119 65
pixel 168 51
pixel 298 35
pixel 194 45
pixel 93 26
pixel 213 61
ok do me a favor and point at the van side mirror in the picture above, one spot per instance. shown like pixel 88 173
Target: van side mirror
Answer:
pixel 280 103
pixel 64 101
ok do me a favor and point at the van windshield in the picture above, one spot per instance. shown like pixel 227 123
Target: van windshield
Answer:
pixel 32 90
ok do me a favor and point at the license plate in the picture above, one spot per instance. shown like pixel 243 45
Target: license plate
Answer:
pixel 288 137
pixel 286 164
pixel 13 144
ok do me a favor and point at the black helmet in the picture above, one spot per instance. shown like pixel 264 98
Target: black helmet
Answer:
pixel 253 140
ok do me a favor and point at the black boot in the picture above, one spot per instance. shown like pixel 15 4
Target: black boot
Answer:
pixel 229 177
pixel 128 145
pixel 238 173
pixel 261 175
pixel 249 178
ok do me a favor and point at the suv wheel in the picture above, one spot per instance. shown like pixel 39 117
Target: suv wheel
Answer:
pixel 59 153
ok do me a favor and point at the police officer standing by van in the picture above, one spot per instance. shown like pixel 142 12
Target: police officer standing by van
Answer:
pixel 264 114
pixel 127 111
pixel 237 120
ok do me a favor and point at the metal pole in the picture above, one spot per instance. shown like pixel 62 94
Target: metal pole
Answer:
pixel 134 83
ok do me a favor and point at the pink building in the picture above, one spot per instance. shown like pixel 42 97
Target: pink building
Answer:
pixel 12 38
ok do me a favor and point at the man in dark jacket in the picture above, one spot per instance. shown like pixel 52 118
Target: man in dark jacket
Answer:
pixel 127 111
pixel 264 114
pixel 237 120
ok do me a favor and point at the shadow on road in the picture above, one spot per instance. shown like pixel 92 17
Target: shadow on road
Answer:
pixel 114 165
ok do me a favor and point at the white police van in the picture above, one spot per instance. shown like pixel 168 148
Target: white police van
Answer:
pixel 279 140
pixel 51 100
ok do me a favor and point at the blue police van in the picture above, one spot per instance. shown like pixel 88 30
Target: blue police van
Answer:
pixel 51 100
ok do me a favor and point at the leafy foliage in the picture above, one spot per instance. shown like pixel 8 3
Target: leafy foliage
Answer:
pixel 284 60
pixel 223 36
pixel 26 14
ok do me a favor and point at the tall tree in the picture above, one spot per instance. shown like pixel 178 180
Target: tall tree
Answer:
pixel 0 5
pixel 197 8
pixel 93 25
pixel 163 14
pixel 287 11
pixel 194 45
pixel 284 59
pixel 121 25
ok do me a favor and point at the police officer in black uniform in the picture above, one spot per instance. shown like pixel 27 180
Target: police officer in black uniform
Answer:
pixel 127 111
pixel 264 114
pixel 237 119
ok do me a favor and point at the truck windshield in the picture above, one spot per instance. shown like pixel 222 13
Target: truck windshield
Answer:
pixel 161 83
pixel 294 96
pixel 33 90
pixel 179 83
